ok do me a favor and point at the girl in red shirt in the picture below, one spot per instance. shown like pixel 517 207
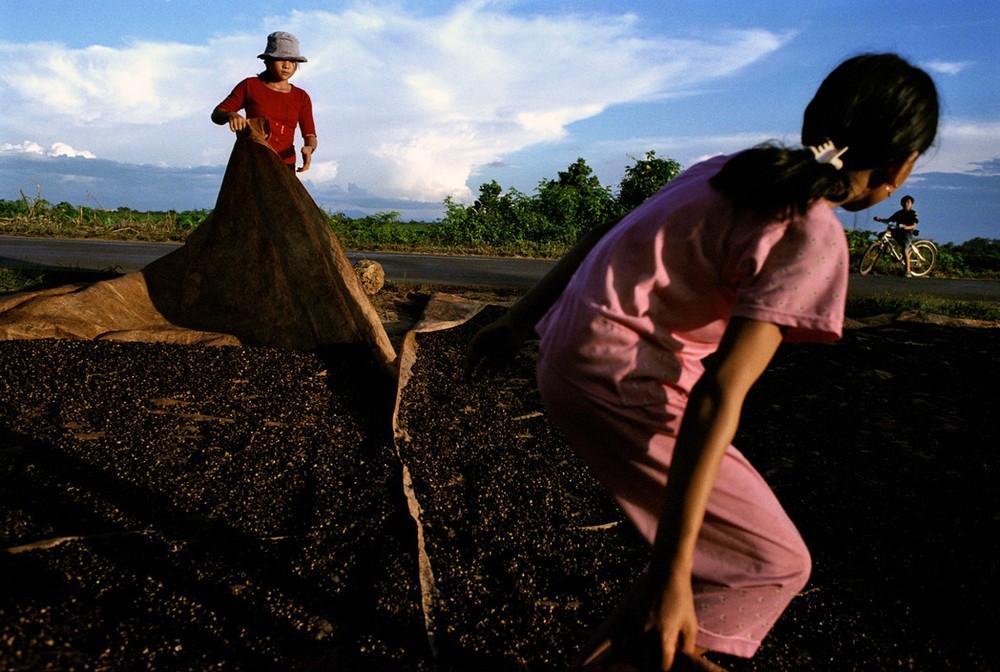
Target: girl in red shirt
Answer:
pixel 272 96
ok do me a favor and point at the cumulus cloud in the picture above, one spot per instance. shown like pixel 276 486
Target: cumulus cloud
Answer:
pixel 62 149
pixel 433 98
pixel 142 83
pixel 26 147
pixel 322 171
pixel 406 104
pixel 57 149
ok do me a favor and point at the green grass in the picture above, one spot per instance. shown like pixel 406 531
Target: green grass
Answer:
pixel 12 280
pixel 146 227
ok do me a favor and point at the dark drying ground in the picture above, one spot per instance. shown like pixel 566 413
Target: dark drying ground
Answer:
pixel 190 508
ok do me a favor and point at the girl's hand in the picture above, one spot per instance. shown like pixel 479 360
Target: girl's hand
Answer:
pixel 307 153
pixel 675 619
pixel 494 347
pixel 236 122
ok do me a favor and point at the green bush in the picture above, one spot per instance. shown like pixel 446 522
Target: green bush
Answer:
pixel 644 179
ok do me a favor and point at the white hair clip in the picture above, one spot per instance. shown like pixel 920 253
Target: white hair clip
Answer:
pixel 828 153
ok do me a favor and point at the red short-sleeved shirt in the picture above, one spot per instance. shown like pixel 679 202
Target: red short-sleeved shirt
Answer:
pixel 655 295
pixel 283 110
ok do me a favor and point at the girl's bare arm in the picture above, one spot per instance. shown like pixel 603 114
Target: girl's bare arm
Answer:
pixel 497 343
pixel 707 430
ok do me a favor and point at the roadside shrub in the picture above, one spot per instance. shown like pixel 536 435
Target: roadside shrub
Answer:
pixel 643 179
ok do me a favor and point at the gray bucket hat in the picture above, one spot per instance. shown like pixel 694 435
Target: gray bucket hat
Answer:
pixel 283 46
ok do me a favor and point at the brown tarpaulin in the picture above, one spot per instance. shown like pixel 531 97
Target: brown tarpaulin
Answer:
pixel 262 269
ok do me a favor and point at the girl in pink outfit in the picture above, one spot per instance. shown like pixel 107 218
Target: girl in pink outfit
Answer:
pixel 271 95
pixel 737 255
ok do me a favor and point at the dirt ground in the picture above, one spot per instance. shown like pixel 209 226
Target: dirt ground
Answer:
pixel 197 508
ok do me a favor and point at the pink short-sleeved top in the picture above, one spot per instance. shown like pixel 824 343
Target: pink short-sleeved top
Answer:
pixel 284 111
pixel 654 296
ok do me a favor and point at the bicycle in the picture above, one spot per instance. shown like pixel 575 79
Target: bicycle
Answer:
pixel 923 254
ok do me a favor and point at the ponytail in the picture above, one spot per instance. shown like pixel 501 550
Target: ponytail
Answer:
pixel 770 180
pixel 877 106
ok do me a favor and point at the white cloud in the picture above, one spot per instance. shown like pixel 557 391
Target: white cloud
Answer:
pixel 62 149
pixel 57 149
pixel 26 147
pixel 947 67
pixel 416 104
pixel 322 171
pixel 406 105
pixel 962 147
pixel 144 83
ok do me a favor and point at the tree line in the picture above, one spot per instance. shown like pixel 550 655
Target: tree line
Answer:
pixel 561 210
pixel 510 222
pixel 498 222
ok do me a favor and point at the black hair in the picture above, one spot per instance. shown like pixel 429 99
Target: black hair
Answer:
pixel 906 198
pixel 878 106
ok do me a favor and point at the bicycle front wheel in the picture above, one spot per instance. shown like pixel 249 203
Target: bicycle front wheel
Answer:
pixel 923 254
pixel 869 258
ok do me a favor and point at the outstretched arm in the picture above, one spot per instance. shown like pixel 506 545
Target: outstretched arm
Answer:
pixel 497 343
pixel 706 431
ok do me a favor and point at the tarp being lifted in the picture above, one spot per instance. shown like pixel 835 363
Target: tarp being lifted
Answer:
pixel 262 269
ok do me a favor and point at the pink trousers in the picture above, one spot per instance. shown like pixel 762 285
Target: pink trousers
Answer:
pixel 750 561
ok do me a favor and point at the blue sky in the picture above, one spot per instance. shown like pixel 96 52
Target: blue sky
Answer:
pixel 107 104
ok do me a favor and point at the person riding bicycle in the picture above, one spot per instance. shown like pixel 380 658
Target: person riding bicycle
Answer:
pixel 905 220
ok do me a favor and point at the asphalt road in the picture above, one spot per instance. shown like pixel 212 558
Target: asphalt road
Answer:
pixel 104 255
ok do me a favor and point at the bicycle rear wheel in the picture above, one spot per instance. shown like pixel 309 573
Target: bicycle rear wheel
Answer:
pixel 922 257
pixel 869 258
